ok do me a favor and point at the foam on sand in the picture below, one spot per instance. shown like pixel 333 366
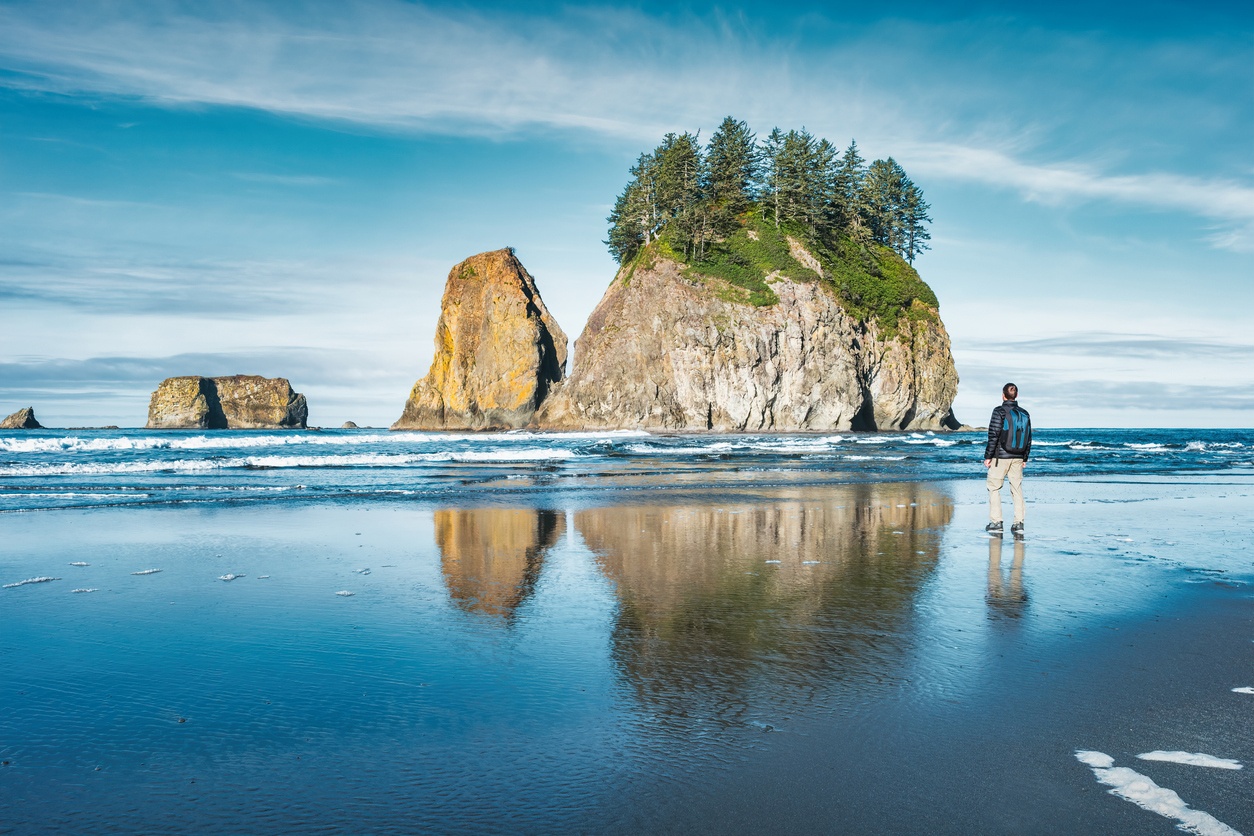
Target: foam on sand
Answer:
pixel 29 580
pixel 1144 793
pixel 1191 758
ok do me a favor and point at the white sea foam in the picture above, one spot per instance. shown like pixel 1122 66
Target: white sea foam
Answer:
pixel 1143 792
pixel 230 576
pixel 344 593
pixel 146 572
pixel 76 591
pixel 79 563
pixel 1191 758
pixel 102 468
pixel 1244 689
pixel 873 458
pixel 29 580
pixel 164 441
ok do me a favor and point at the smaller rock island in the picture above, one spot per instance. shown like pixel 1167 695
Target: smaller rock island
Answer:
pixel 498 350
pixel 238 402
pixel 23 419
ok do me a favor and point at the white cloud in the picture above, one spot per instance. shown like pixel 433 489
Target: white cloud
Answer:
pixel 604 72
pixel 1220 199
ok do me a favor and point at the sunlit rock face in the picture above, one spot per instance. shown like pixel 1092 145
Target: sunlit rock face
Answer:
pixel 665 350
pixel 238 402
pixel 23 419
pixel 491 558
pixel 819 583
pixel 498 350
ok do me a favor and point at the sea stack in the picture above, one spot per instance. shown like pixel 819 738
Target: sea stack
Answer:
pixel 672 349
pixel 239 402
pixel 23 419
pixel 498 350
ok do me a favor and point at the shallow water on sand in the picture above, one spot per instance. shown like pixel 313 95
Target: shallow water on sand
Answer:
pixel 855 657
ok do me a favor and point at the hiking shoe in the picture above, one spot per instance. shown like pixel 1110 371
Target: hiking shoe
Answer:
pixel 995 527
pixel 1017 528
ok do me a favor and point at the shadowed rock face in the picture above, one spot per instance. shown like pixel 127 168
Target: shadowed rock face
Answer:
pixel 23 419
pixel 239 402
pixel 498 350
pixel 663 351
pixel 702 613
pixel 491 557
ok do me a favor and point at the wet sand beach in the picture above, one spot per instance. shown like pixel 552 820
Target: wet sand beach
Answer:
pixel 849 658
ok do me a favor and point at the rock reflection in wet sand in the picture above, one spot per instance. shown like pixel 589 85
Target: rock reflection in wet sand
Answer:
pixel 491 557
pixel 787 595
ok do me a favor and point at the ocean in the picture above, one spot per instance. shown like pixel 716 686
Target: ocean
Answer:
pixel 47 469
pixel 356 631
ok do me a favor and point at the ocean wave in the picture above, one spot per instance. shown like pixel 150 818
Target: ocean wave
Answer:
pixel 873 458
pixel 164 441
pixel 115 468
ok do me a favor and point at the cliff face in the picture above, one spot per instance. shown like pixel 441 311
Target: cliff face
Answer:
pixel 498 350
pixel 23 419
pixel 668 351
pixel 240 402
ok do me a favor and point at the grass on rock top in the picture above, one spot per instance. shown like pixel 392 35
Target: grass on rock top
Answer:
pixel 871 281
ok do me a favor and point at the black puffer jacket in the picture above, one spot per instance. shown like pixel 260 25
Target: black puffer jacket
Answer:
pixel 993 449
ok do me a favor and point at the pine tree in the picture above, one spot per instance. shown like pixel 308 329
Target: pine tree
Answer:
pixel 732 161
pixel 772 186
pixel 914 215
pixel 848 188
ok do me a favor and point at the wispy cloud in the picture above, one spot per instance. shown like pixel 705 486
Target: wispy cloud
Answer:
pixel 1141 346
pixel 1227 200
pixel 613 73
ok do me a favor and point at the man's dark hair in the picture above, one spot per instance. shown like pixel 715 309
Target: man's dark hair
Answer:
pixel 1010 391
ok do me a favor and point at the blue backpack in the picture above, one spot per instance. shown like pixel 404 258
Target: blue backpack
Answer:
pixel 1016 430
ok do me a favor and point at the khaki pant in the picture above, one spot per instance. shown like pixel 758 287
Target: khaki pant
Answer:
pixel 999 472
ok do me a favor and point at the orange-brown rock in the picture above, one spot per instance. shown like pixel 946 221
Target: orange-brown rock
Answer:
pixel 23 419
pixel 491 557
pixel 239 402
pixel 498 350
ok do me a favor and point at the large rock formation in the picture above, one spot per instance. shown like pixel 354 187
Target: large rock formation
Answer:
pixel 23 419
pixel 240 402
pixel 667 349
pixel 498 350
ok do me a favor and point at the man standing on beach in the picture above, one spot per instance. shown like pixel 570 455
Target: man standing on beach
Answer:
pixel 1005 456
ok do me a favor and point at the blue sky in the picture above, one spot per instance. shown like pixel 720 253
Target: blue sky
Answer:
pixel 281 189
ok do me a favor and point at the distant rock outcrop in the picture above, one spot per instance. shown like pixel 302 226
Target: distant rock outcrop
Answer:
pixel 349 425
pixel 498 350
pixel 23 419
pixel 670 349
pixel 240 402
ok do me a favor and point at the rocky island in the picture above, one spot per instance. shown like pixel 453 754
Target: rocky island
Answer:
pixel 670 348
pixel 239 402
pixel 23 419
pixel 498 350
pixel 762 287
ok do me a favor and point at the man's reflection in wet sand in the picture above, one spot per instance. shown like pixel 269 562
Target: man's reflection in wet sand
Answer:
pixel 492 557
pixel 1007 597
pixel 792 593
